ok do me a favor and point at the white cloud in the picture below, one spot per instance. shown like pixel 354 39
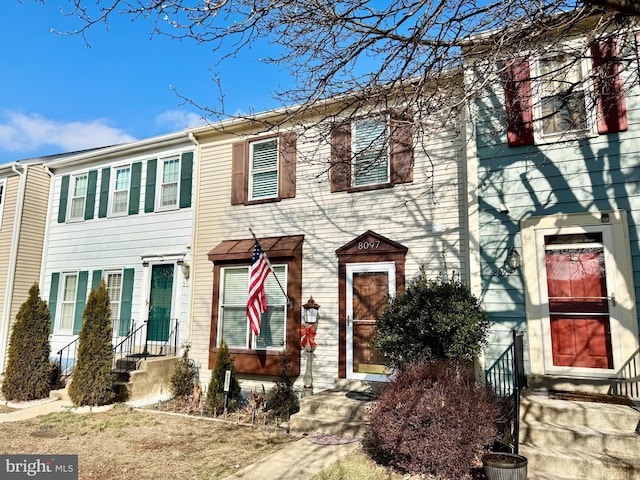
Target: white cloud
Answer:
pixel 21 132
pixel 178 119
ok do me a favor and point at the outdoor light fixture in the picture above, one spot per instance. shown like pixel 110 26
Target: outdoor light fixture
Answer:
pixel 311 311
pixel 186 268
pixel 514 259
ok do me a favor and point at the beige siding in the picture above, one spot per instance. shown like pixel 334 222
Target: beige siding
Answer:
pixel 426 216
pixel 6 235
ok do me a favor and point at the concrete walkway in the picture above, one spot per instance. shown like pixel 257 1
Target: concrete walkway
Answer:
pixel 38 408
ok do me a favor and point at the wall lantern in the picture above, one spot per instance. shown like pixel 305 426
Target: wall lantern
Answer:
pixel 514 259
pixel 186 268
pixel 311 311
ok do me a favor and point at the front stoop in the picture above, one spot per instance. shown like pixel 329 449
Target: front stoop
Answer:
pixel 333 412
pixel 572 440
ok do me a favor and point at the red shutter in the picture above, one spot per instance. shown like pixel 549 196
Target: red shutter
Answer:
pixel 341 158
pixel 401 146
pixel 238 178
pixel 518 104
pixel 611 105
pixel 287 187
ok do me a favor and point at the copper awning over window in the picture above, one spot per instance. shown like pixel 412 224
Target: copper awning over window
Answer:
pixel 274 247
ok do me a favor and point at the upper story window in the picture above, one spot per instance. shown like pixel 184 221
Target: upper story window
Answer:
pixel 566 95
pixel 169 177
pixel 78 197
pixel 372 153
pixel 264 169
pixel 121 186
pixel 233 323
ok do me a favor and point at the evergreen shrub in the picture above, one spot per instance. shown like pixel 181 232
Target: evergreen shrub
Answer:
pixel 215 398
pixel 28 372
pixel 183 379
pixel 432 318
pixel 433 419
pixel 282 400
pixel 93 381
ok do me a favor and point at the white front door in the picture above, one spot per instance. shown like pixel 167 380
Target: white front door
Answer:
pixel 369 287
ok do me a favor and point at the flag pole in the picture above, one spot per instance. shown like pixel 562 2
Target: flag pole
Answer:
pixel 289 301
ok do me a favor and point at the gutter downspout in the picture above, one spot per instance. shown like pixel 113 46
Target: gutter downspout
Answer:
pixel 13 258
pixel 192 249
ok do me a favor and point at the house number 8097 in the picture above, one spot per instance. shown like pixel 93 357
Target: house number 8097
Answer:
pixel 368 245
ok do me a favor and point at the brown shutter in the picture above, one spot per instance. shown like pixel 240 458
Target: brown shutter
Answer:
pixel 287 187
pixel 611 105
pixel 401 146
pixel 238 177
pixel 517 92
pixel 341 158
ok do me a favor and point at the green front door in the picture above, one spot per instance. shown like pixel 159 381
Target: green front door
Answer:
pixel 160 303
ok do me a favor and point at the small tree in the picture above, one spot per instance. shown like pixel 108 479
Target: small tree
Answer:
pixel 93 379
pixel 184 376
pixel 282 401
pixel 28 372
pixel 432 319
pixel 215 392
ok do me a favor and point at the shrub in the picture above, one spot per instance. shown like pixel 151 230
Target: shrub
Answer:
pixel 432 319
pixel 28 372
pixel 215 393
pixel 282 401
pixel 433 418
pixel 93 382
pixel 183 379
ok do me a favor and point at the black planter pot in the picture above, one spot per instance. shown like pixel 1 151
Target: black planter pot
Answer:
pixel 504 466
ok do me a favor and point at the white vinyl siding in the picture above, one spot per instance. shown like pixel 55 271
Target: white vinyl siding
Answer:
pixel 67 302
pixel 234 325
pixel 121 190
pixel 78 197
pixel 371 152
pixel 263 169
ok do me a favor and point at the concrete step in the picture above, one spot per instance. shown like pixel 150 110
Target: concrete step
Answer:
pixel 578 465
pixel 541 409
pixel 335 412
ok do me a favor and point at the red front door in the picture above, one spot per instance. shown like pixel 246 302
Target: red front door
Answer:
pixel 578 302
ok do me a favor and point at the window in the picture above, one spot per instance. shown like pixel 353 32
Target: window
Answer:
pixel 169 185
pixel 114 289
pixel 280 324
pixel 372 152
pixel 68 302
pixel 234 326
pixel 561 87
pixel 562 95
pixel 3 184
pixel 78 197
pixel 264 169
pixel 121 186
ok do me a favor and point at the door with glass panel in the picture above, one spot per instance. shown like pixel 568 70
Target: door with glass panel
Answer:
pixel 160 301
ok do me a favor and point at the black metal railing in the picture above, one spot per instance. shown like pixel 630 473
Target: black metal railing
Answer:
pixel 507 380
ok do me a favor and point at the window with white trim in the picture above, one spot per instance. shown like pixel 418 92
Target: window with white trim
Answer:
pixel 233 324
pixel 121 185
pixel 370 152
pixel 170 177
pixel 78 197
pixel 67 304
pixel 263 168
pixel 114 290
pixel 3 186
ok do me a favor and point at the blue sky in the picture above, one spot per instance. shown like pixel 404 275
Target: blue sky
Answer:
pixel 58 95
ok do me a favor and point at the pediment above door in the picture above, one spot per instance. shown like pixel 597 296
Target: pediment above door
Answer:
pixel 371 244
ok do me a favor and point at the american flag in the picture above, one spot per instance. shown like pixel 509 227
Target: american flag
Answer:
pixel 257 303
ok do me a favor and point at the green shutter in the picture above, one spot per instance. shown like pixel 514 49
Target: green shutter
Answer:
pixel 104 193
pixel 90 201
pixel 95 279
pixel 64 194
pixel 134 190
pixel 150 190
pixel 186 179
pixel 81 300
pixel 127 301
pixel 53 297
